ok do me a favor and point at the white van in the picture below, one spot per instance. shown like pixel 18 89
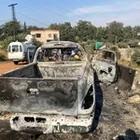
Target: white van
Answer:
pixel 19 52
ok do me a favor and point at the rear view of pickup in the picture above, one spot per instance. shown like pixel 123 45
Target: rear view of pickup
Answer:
pixel 53 94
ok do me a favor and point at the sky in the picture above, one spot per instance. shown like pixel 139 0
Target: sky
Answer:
pixel 42 13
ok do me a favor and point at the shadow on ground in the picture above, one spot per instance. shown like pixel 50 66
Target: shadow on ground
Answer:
pixel 98 103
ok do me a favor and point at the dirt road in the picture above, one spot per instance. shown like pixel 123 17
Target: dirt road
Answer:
pixel 8 66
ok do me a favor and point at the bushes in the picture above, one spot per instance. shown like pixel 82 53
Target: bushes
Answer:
pixel 89 46
pixel 5 42
pixel 37 43
pixel 3 55
pixel 122 45
pixel 136 56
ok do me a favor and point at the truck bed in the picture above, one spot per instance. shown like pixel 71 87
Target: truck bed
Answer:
pixel 25 91
pixel 28 71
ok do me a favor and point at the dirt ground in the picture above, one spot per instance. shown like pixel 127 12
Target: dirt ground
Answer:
pixel 8 66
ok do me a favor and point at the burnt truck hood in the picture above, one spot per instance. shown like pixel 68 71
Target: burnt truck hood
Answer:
pixel 67 70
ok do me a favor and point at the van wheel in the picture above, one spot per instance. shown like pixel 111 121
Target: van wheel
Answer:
pixel 15 62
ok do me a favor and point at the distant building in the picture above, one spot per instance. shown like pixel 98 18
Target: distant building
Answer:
pixel 45 35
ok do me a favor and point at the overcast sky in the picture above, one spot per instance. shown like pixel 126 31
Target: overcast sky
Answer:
pixel 99 12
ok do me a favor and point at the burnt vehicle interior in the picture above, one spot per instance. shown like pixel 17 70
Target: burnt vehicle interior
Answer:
pixel 59 54
pixel 107 56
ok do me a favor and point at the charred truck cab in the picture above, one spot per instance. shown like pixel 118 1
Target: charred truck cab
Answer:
pixel 105 65
pixel 54 94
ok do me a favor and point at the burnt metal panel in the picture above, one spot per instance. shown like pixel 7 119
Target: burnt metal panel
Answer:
pixel 29 71
pixel 38 95
pixel 125 77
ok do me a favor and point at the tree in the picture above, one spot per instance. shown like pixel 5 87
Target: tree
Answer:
pixel 1 33
pixel 66 31
pixel 136 30
pixel 115 32
pixel 85 30
pixel 34 28
pixel 101 34
pixel 136 56
pixel 11 28
pixel 55 26
pixel 128 33
pixel 25 27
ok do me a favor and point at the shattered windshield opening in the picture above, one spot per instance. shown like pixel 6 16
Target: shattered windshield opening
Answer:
pixel 106 55
pixel 60 54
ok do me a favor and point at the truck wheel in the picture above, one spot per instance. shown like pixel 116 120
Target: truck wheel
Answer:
pixel 15 62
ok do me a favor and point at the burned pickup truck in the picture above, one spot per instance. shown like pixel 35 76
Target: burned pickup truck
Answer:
pixel 54 94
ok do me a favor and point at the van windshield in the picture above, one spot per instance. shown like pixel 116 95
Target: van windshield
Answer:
pixel 15 48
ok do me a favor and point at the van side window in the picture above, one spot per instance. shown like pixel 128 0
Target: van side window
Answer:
pixel 9 48
pixel 20 48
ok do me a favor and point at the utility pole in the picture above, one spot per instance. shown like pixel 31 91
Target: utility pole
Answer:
pixel 13 18
pixel 25 27
pixel 13 11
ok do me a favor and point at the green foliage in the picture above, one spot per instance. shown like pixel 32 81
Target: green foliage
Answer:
pixel 115 32
pixel 122 45
pixel 85 31
pixel 2 55
pixel 37 43
pixel 5 42
pixel 10 28
pixel 128 33
pixel 134 43
pixel 66 31
pixel 33 28
pixel 21 37
pixel 136 56
pixel 89 46
pixel 101 34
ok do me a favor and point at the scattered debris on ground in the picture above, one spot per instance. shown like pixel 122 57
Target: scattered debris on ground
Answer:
pixel 134 99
